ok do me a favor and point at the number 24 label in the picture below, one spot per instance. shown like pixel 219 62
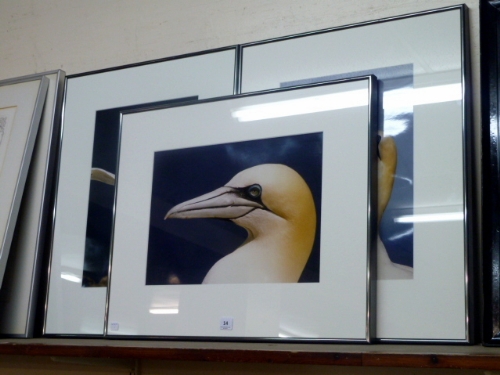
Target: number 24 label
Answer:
pixel 226 323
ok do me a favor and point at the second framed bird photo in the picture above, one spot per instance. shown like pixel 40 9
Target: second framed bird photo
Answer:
pixel 255 207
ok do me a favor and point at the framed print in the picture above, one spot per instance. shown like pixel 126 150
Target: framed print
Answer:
pixel 19 292
pixel 265 181
pixel 489 36
pixel 73 306
pixel 21 105
pixel 426 231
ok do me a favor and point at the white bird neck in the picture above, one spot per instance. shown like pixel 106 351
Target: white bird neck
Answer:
pixel 275 255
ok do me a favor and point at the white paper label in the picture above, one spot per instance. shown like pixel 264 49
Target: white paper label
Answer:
pixel 226 323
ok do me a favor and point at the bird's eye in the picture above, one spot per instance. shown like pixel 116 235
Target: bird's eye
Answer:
pixel 254 191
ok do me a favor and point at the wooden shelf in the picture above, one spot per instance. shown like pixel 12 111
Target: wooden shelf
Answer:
pixel 417 356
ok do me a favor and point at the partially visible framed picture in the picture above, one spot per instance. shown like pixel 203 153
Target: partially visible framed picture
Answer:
pixel 19 292
pixel 76 296
pixel 258 208
pixel 490 106
pixel 426 231
pixel 21 106
pixel 102 191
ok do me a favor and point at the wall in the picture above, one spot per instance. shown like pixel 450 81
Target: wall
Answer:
pixel 79 36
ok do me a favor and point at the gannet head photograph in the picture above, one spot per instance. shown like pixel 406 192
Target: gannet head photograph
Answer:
pixel 275 206
pixel 244 212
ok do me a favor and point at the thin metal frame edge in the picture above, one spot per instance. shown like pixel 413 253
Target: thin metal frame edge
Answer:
pixel 471 224
pixel 354 25
pixel 372 226
pixel 112 243
pixel 54 206
pixel 47 200
pixel 238 63
pixel 155 61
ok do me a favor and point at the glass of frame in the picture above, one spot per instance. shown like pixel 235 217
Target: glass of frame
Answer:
pixel 73 306
pixel 426 231
pixel 19 292
pixel 289 173
pixel 21 106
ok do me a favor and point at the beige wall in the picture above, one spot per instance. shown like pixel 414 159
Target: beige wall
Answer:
pixel 79 36
pixel 85 35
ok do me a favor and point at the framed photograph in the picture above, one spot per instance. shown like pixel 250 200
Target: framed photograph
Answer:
pixel 76 295
pixel 21 106
pixel 425 236
pixel 239 205
pixel 490 106
pixel 19 292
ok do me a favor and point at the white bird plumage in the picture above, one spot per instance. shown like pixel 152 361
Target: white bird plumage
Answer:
pixel 276 207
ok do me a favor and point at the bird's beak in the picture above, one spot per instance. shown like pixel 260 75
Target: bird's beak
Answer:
pixel 222 203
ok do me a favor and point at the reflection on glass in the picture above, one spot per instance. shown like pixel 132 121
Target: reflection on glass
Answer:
pixel 424 95
pixel 287 331
pixel 162 305
pixel 70 277
pixel 320 103
pixel 446 216
pixel 163 311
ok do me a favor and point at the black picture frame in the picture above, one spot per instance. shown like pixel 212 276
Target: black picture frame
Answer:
pixel 331 52
pixel 490 116
pixel 205 74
